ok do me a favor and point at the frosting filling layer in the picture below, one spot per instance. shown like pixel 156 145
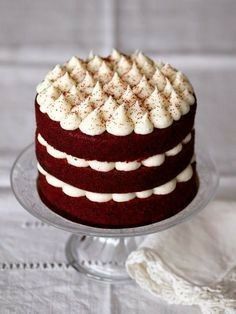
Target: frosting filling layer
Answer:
pixel 103 166
pixel 72 191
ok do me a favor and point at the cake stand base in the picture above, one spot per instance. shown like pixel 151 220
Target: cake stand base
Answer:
pixel 101 258
pixel 100 253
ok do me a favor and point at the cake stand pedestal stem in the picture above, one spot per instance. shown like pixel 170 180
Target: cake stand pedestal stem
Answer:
pixel 101 258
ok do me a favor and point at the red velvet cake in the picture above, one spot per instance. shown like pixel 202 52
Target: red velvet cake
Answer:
pixel 115 140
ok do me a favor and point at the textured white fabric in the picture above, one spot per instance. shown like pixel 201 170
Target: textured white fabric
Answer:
pixel 193 263
pixel 36 279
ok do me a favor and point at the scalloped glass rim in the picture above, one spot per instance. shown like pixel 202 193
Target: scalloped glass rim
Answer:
pixel 23 182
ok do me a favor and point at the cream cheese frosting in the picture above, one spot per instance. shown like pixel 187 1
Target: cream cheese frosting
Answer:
pixel 104 166
pixel 72 191
pixel 99 95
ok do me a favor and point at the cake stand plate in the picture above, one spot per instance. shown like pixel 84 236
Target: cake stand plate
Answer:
pixel 101 253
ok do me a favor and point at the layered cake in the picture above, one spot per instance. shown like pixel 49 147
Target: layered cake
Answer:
pixel 115 140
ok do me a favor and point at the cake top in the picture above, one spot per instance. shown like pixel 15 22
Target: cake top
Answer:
pixel 119 94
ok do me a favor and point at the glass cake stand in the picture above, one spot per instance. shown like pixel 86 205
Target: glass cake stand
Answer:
pixel 101 253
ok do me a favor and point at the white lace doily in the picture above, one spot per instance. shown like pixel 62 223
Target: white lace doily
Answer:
pixel 193 263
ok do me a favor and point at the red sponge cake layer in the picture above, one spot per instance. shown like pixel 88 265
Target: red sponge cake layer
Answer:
pixel 136 212
pixel 107 147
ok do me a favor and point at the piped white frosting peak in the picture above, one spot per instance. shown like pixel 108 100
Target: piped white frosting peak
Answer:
pixel 143 89
pixel 120 123
pixel 115 87
pixel 128 97
pixel 74 63
pixel 133 76
pixel 97 97
pixel 83 109
pixel 105 166
pixel 59 109
pixel 104 73
pixel 72 191
pixel 115 84
pixel 115 55
pixel 108 108
pixel 159 114
pixel 64 83
pixel 123 65
pixel 71 121
pixel 56 73
pixel 93 124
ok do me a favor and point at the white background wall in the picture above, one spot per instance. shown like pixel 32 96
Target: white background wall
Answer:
pixel 198 36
